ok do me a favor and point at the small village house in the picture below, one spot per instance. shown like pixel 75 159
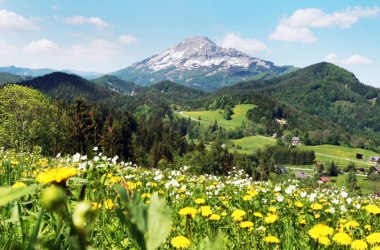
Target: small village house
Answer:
pixel 374 159
pixel 301 175
pixel 296 141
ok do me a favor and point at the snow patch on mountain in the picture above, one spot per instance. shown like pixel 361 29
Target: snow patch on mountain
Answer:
pixel 198 52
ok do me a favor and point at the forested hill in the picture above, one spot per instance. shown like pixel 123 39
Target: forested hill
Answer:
pixel 67 87
pixel 172 92
pixel 115 83
pixel 9 78
pixel 327 91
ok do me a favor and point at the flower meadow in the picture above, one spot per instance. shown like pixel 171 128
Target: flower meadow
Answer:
pixel 74 202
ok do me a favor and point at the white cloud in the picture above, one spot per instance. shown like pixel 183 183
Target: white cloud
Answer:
pixel 43 46
pixel 127 39
pixel 298 26
pixel 12 22
pixel 5 48
pixel 289 34
pixel 78 20
pixel 357 59
pixel 331 57
pixel 94 51
pixel 247 45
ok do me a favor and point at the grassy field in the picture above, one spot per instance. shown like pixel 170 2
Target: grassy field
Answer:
pixel 340 155
pixel 366 186
pixel 250 144
pixel 125 207
pixel 324 153
pixel 209 117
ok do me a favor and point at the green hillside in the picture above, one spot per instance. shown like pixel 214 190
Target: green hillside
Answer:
pixel 248 145
pixel 9 78
pixel 115 83
pixel 209 116
pixel 329 93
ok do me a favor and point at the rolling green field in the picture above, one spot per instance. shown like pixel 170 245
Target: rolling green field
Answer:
pixel 340 155
pixel 210 116
pixel 324 153
pixel 250 144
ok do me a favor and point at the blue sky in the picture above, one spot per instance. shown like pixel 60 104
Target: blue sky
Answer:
pixel 104 36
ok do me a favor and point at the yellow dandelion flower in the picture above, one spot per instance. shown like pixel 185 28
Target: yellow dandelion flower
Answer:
pixel 320 230
pixel 224 214
pixel 373 238
pixel 375 248
pixel 252 192
pixel 258 214
pixel 323 240
pixel 180 242
pixel 368 227
pixel 215 217
pixel 247 198
pixel 272 209
pixel 359 245
pixel 95 205
pixel 270 219
pixel 317 216
pixel 352 224
pixel 146 195
pixel 57 175
pixel 342 239
pixel 130 185
pixel 19 185
pixel 271 239
pixel 298 204
pixel 372 209
pixel 205 211
pixel 303 222
pixel 200 201
pixel 238 215
pixel 108 204
pixel 246 224
pixel 115 179
pixel 316 206
pixel 188 211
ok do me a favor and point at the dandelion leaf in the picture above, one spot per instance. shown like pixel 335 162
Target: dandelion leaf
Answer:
pixel 9 194
pixel 159 222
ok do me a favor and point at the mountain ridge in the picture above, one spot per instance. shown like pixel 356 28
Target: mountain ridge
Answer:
pixel 198 62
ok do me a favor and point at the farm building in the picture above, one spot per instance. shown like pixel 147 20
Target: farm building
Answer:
pixel 296 141
pixel 374 159
pixel 324 179
pixel 301 175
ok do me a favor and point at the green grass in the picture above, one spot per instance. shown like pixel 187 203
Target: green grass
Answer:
pixel 340 155
pixel 366 186
pixel 250 144
pixel 209 117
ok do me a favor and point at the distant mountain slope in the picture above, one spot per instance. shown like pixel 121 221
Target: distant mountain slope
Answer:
pixel 324 90
pixel 26 72
pixel 114 83
pixel 199 63
pixel 9 78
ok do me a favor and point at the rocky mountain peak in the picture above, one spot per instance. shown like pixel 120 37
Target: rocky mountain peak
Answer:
pixel 199 62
